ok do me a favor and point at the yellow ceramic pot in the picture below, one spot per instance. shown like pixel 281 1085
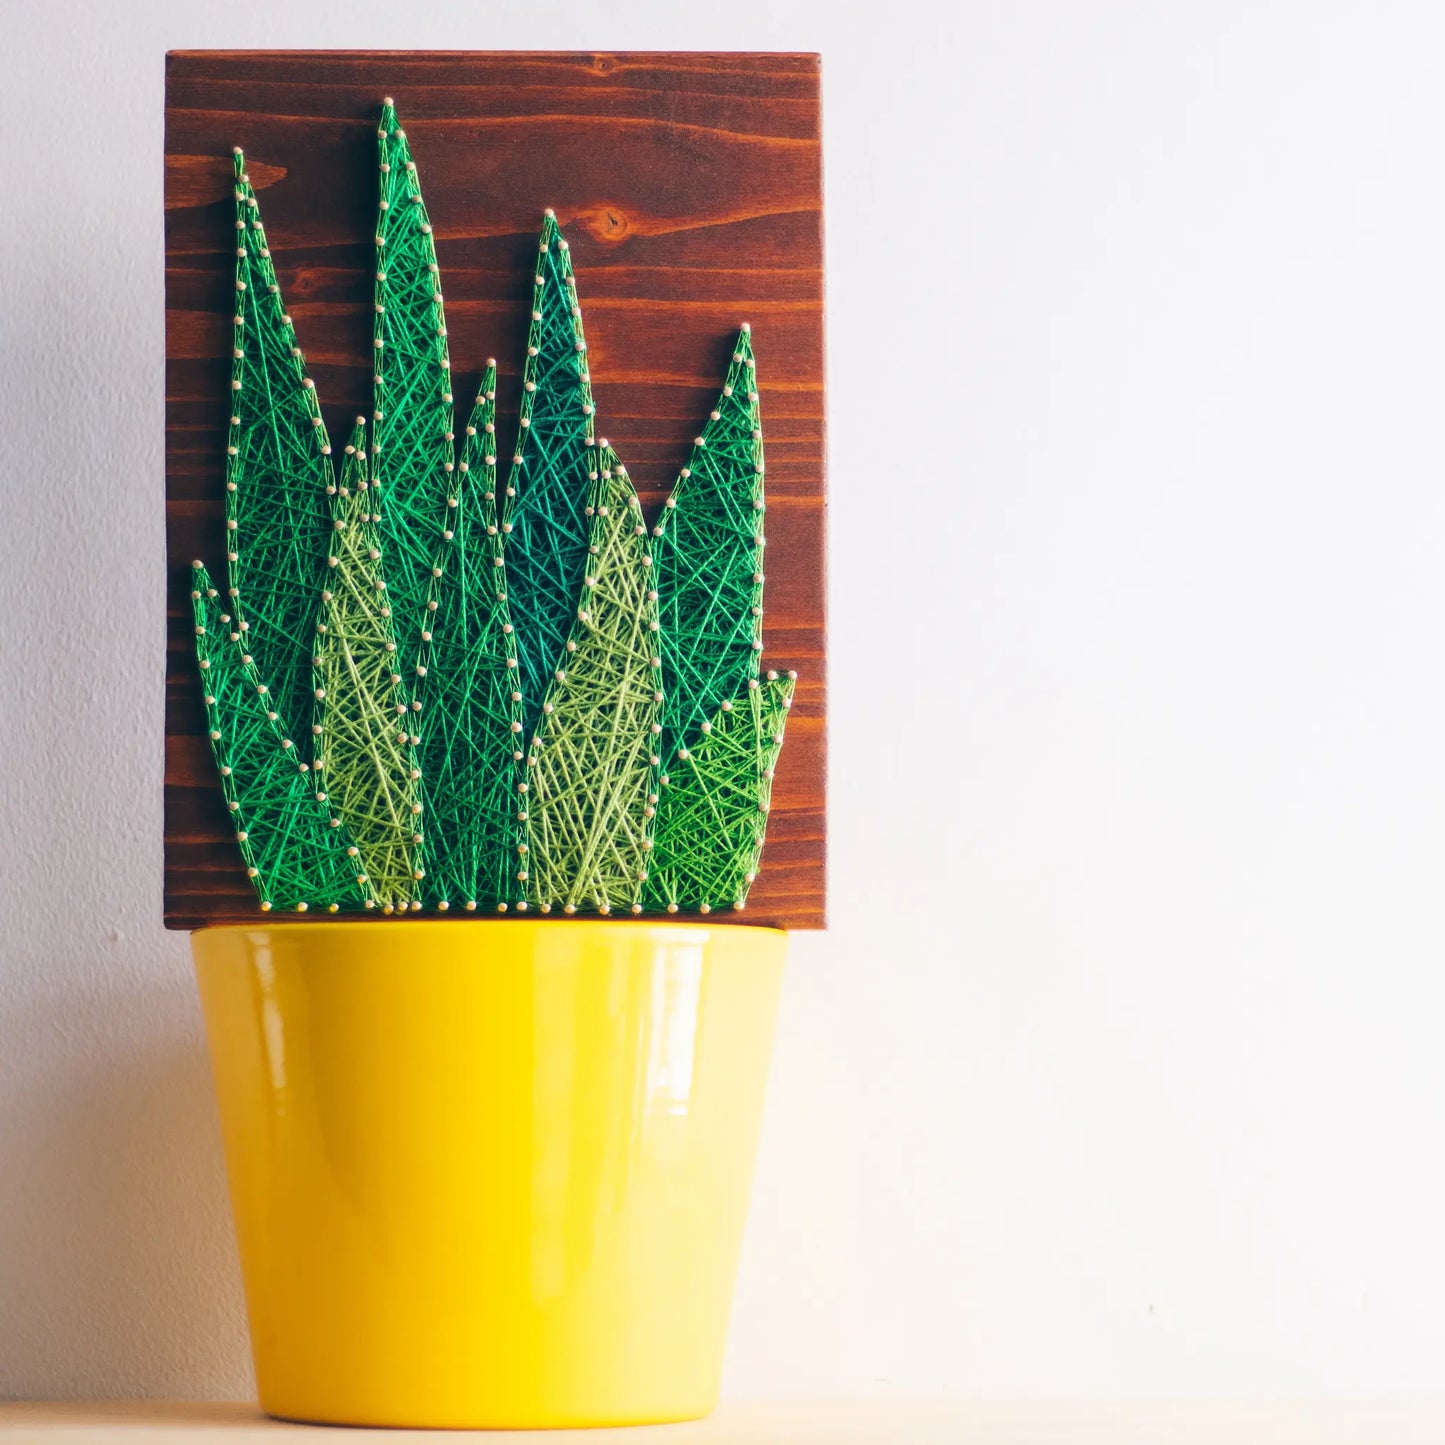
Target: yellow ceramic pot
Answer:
pixel 489 1173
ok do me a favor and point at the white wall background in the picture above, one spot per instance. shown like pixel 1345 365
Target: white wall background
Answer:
pixel 1121 1068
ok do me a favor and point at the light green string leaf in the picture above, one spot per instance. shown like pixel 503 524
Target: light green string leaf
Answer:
pixel 471 731
pixel 709 550
pixel 277 467
pixel 713 808
pixel 364 748
pixel 592 766
pixel 411 435
pixel 293 847
pixel 547 486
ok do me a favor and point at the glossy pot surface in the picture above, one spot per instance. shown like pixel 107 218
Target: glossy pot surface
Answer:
pixel 489 1173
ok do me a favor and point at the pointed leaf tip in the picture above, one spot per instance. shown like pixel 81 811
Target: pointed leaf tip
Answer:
pixel 709 560
pixel 412 419
pixel 548 483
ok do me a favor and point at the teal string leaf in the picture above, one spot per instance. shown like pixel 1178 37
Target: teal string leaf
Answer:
pixel 362 719
pixel 592 766
pixel 412 441
pixel 293 846
pixel 713 808
pixel 546 494
pixel 471 731
pixel 709 552
pixel 277 467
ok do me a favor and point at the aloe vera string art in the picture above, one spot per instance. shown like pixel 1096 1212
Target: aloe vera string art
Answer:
pixel 447 675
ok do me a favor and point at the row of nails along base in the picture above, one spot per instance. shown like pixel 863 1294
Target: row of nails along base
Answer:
pixel 441 678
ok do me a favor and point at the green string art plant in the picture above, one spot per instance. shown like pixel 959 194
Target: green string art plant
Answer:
pixel 437 679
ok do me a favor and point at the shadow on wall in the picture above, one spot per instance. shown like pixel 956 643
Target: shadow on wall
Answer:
pixel 118 1274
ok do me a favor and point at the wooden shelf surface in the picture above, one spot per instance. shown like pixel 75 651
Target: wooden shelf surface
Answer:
pixel 842 1422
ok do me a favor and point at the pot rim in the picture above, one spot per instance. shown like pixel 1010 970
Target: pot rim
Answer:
pixel 264 924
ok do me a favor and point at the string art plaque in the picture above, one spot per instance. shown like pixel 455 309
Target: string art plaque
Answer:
pixel 443 651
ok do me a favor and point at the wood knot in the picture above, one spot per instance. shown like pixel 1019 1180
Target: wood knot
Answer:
pixel 607 223
pixel 604 64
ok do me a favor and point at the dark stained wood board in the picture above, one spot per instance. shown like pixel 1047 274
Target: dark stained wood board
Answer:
pixel 690 189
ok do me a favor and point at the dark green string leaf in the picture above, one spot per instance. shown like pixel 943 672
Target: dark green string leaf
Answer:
pixel 293 846
pixel 471 733
pixel 277 467
pixel 412 448
pixel 546 491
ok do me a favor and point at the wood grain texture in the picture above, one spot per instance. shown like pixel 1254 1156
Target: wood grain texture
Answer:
pixel 689 186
